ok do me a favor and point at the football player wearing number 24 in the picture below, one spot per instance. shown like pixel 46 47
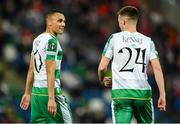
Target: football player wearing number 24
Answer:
pixel 131 52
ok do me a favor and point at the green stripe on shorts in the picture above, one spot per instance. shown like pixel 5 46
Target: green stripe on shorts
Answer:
pixel 131 94
pixel 44 91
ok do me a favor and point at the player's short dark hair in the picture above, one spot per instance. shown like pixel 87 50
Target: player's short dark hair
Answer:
pixel 52 11
pixel 129 11
pixel 48 13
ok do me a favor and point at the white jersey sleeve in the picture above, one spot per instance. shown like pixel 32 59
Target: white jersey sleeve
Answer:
pixel 108 49
pixel 153 52
pixel 32 51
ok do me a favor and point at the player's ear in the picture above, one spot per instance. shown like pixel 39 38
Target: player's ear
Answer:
pixel 49 23
pixel 123 22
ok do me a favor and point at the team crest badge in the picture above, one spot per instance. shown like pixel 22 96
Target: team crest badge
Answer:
pixel 52 46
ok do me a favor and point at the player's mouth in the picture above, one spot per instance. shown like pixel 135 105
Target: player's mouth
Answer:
pixel 61 28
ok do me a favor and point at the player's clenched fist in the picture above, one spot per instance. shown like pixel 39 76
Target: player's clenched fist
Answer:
pixel 162 103
pixel 107 81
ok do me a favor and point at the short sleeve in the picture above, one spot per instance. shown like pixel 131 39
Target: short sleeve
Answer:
pixel 153 51
pixel 108 49
pixel 51 49
pixel 32 51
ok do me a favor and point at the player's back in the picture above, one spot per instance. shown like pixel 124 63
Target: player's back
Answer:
pixel 131 55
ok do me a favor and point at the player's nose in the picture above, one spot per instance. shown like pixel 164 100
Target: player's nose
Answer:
pixel 63 24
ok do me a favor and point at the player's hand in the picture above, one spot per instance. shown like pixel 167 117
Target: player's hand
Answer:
pixel 162 103
pixel 52 109
pixel 25 102
pixel 107 81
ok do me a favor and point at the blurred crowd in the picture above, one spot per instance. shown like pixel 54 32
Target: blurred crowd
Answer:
pixel 89 23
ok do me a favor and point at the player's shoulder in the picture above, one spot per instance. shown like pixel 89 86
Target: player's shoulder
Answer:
pixel 143 36
pixel 43 36
pixel 42 39
pixel 117 34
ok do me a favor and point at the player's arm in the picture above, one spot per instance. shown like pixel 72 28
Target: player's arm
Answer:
pixel 106 57
pixel 29 83
pixel 50 69
pixel 30 77
pixel 160 82
pixel 102 70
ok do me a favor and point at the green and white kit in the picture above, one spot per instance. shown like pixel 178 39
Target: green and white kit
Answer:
pixel 47 47
pixel 130 54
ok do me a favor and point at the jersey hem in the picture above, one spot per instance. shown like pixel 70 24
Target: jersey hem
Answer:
pixel 131 98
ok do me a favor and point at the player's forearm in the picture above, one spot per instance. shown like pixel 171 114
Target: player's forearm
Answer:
pixel 50 69
pixel 160 80
pixel 51 80
pixel 103 68
pixel 101 73
pixel 29 82
pixel 30 77
pixel 158 75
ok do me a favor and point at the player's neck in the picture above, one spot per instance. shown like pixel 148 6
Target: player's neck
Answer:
pixel 130 29
pixel 51 32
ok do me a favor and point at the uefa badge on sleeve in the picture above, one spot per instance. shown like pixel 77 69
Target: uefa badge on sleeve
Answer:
pixel 52 46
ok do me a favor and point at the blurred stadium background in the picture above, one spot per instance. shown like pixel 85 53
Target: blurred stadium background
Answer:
pixel 88 25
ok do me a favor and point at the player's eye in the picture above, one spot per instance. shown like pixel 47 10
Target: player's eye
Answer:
pixel 61 20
